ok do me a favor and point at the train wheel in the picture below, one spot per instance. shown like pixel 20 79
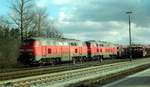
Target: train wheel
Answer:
pixel 81 59
pixel 101 58
pixel 74 60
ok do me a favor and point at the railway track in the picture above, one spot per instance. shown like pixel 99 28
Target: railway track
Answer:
pixel 25 72
pixel 64 78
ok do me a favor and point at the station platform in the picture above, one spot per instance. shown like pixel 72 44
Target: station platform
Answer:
pixel 141 79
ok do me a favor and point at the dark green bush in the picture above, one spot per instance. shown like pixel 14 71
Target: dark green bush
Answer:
pixel 9 51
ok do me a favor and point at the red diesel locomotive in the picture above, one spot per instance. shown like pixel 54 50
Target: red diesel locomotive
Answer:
pixel 99 50
pixel 48 50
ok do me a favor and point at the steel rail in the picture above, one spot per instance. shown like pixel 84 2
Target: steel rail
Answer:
pixel 43 70
pixel 62 77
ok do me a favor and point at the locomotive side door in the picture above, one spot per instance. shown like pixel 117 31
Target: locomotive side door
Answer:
pixel 89 53
pixel 65 52
pixel 44 50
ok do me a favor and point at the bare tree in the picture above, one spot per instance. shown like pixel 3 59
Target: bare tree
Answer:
pixel 22 15
pixel 40 21
pixel 52 30
pixel 43 25
pixel 4 21
pixel 4 27
pixel 31 20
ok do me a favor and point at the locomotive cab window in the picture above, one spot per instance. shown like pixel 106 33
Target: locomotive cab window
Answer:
pixel 73 44
pixel 28 42
pixel 97 45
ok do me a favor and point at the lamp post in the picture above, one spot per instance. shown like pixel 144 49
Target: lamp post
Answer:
pixel 130 39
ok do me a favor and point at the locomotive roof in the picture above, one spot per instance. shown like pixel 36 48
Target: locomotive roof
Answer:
pixel 60 40
pixel 104 43
pixel 44 38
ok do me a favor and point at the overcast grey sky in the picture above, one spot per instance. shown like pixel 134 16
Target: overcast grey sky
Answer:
pixel 98 19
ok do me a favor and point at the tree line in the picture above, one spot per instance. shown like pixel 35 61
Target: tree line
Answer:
pixel 24 20
pixel 27 20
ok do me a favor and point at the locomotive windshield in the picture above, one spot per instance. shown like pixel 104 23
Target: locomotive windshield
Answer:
pixel 28 42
